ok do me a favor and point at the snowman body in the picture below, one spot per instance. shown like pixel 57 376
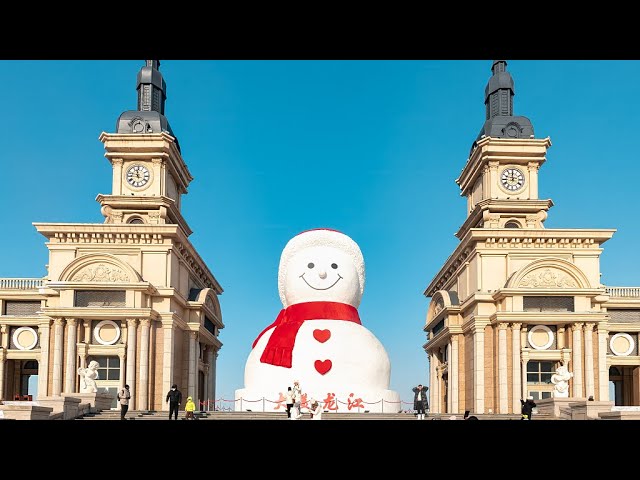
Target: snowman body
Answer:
pixel 338 361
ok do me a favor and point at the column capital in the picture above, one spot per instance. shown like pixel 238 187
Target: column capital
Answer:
pixel 132 322
pixel 516 326
pixel 588 327
pixel 122 355
pixel 145 322
pixel 72 322
pixel 576 327
pixel 86 323
pixel 58 321
pixel 193 334
pixel 503 326
pixel 116 161
pixel 157 161
pixel 560 328
pixel 454 338
pixel 3 329
pixel 602 330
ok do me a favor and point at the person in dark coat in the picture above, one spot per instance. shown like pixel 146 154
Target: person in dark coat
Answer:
pixel 174 397
pixel 527 408
pixel 420 402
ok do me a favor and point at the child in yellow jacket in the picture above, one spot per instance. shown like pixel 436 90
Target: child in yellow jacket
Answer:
pixel 189 408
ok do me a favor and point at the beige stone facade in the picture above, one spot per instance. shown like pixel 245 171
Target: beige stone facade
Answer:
pixel 131 293
pixel 516 300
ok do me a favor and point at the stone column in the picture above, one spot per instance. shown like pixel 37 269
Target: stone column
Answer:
pixel 503 379
pixel 58 332
pixel 577 360
pixel 478 369
pixel 117 185
pixel 434 405
pixel 122 357
pixel 193 364
pixel 4 336
pixel 603 371
pixel 453 375
pixel 589 379
pixel 211 393
pixel 143 379
pixel 516 389
pixel 532 167
pixel 43 364
pixel 525 360
pixel 168 331
pixel 560 336
pixel 87 331
pixel 70 360
pixel 3 356
pixel 131 361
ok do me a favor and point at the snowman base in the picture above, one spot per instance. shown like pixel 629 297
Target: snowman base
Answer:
pixel 385 401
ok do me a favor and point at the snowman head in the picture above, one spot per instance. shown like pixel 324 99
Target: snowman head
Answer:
pixel 321 266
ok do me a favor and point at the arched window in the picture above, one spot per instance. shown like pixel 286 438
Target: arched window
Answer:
pixel 135 220
pixel 512 224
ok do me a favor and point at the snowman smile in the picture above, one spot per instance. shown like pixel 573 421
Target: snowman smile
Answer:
pixel 330 286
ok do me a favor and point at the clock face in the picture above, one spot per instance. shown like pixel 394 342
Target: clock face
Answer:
pixel 512 179
pixel 138 175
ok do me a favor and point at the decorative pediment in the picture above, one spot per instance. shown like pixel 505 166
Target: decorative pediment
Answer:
pixel 547 278
pixel 99 267
pixel 549 273
pixel 101 272
pixel 441 299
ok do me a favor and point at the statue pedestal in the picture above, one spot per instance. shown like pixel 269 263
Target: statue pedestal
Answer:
pixel 98 401
pixel 586 410
pixel 17 411
pixel 67 405
pixel 553 406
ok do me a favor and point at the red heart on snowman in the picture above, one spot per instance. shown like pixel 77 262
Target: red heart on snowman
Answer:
pixel 323 367
pixel 321 335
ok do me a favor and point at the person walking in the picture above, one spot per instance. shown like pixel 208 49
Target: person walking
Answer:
pixel 189 408
pixel 174 397
pixel 288 398
pixel 527 408
pixel 420 402
pixel 123 397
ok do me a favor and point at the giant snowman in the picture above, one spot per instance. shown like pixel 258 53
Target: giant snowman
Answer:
pixel 318 338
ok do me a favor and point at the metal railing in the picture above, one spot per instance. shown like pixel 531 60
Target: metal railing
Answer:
pixel 628 292
pixel 21 283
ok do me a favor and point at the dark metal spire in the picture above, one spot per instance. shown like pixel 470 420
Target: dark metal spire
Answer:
pixel 498 96
pixel 151 88
pixel 149 118
pixel 498 99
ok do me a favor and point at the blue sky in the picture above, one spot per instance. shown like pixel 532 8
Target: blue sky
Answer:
pixel 371 148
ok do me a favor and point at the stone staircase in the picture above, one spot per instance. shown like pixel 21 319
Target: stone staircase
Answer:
pixel 155 415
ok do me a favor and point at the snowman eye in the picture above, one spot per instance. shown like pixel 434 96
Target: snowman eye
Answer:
pixel 311 265
pixel 334 266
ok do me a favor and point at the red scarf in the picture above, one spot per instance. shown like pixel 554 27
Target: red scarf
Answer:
pixel 280 346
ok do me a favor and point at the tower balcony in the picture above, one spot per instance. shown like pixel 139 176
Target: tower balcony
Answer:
pixel 615 292
pixel 21 283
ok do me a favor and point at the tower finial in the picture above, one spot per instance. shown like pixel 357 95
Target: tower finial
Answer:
pixel 152 93
pixel 498 99
pixel 151 88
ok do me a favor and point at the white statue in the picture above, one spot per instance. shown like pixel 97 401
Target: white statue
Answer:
pixel 89 376
pixel 560 381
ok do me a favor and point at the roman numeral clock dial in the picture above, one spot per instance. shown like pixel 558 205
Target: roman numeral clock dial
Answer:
pixel 512 179
pixel 138 176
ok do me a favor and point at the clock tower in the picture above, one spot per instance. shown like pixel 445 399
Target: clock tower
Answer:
pixel 515 301
pixel 500 178
pixel 149 174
